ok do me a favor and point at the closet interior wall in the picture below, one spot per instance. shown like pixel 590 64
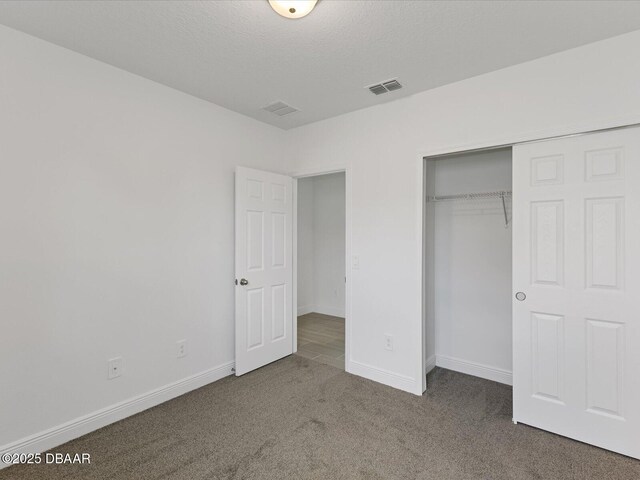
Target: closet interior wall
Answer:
pixel 468 265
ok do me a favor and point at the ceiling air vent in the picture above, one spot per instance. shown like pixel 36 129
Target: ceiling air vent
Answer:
pixel 384 87
pixel 378 89
pixel 392 85
pixel 280 108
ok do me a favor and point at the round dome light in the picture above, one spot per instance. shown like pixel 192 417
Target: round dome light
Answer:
pixel 293 8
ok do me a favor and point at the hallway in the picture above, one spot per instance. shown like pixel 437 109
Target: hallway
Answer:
pixel 321 338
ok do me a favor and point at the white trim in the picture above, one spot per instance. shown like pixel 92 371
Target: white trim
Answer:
pixel 534 135
pixel 304 310
pixel 65 432
pixel 391 379
pixel 317 171
pixel 326 310
pixel 294 261
pixel 476 369
pixel 347 271
pixel 421 273
pixel 430 364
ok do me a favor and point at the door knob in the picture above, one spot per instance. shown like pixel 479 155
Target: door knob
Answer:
pixel 521 296
pixel 244 281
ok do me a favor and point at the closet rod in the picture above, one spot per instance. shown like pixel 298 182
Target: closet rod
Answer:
pixel 501 194
pixel 470 196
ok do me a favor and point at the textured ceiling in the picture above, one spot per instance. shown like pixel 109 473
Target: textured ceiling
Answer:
pixel 241 55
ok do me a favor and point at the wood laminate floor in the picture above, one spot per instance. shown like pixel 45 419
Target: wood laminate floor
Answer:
pixel 321 338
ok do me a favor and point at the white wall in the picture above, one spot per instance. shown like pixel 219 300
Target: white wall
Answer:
pixel 329 229
pixel 116 234
pixel 594 86
pixel 321 244
pixel 472 263
pixel 306 246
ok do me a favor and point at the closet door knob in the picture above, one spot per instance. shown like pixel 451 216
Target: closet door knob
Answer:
pixel 244 281
pixel 521 296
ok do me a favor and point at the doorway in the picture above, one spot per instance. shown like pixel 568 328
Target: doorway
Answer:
pixel 468 253
pixel 321 268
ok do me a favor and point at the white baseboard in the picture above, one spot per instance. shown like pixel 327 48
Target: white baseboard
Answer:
pixel 323 309
pixel 476 369
pixel 60 434
pixel 306 309
pixel 391 379
pixel 430 364
pixel 326 310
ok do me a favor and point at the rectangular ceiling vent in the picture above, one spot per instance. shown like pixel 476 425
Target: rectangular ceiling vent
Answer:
pixel 384 87
pixel 280 108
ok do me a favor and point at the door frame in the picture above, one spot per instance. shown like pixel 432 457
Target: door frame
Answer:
pixel 421 171
pixel 429 363
pixel 312 172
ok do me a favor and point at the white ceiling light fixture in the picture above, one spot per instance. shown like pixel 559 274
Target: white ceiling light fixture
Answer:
pixel 293 8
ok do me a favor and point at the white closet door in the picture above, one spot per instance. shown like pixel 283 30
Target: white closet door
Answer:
pixel 576 257
pixel 264 270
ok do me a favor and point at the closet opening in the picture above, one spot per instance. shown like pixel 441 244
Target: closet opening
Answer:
pixel 468 265
pixel 321 275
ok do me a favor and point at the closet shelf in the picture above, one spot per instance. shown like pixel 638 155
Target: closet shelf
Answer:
pixel 499 195
pixel 471 196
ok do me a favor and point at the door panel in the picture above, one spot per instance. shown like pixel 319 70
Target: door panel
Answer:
pixel 264 317
pixel 547 353
pixel 547 262
pixel 576 256
pixel 604 236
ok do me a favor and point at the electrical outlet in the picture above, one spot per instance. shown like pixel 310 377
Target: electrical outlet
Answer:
pixel 388 342
pixel 114 368
pixel 181 348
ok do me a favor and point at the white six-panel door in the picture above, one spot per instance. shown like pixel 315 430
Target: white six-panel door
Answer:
pixel 576 259
pixel 264 271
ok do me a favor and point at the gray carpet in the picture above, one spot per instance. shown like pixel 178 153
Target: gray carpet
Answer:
pixel 300 419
